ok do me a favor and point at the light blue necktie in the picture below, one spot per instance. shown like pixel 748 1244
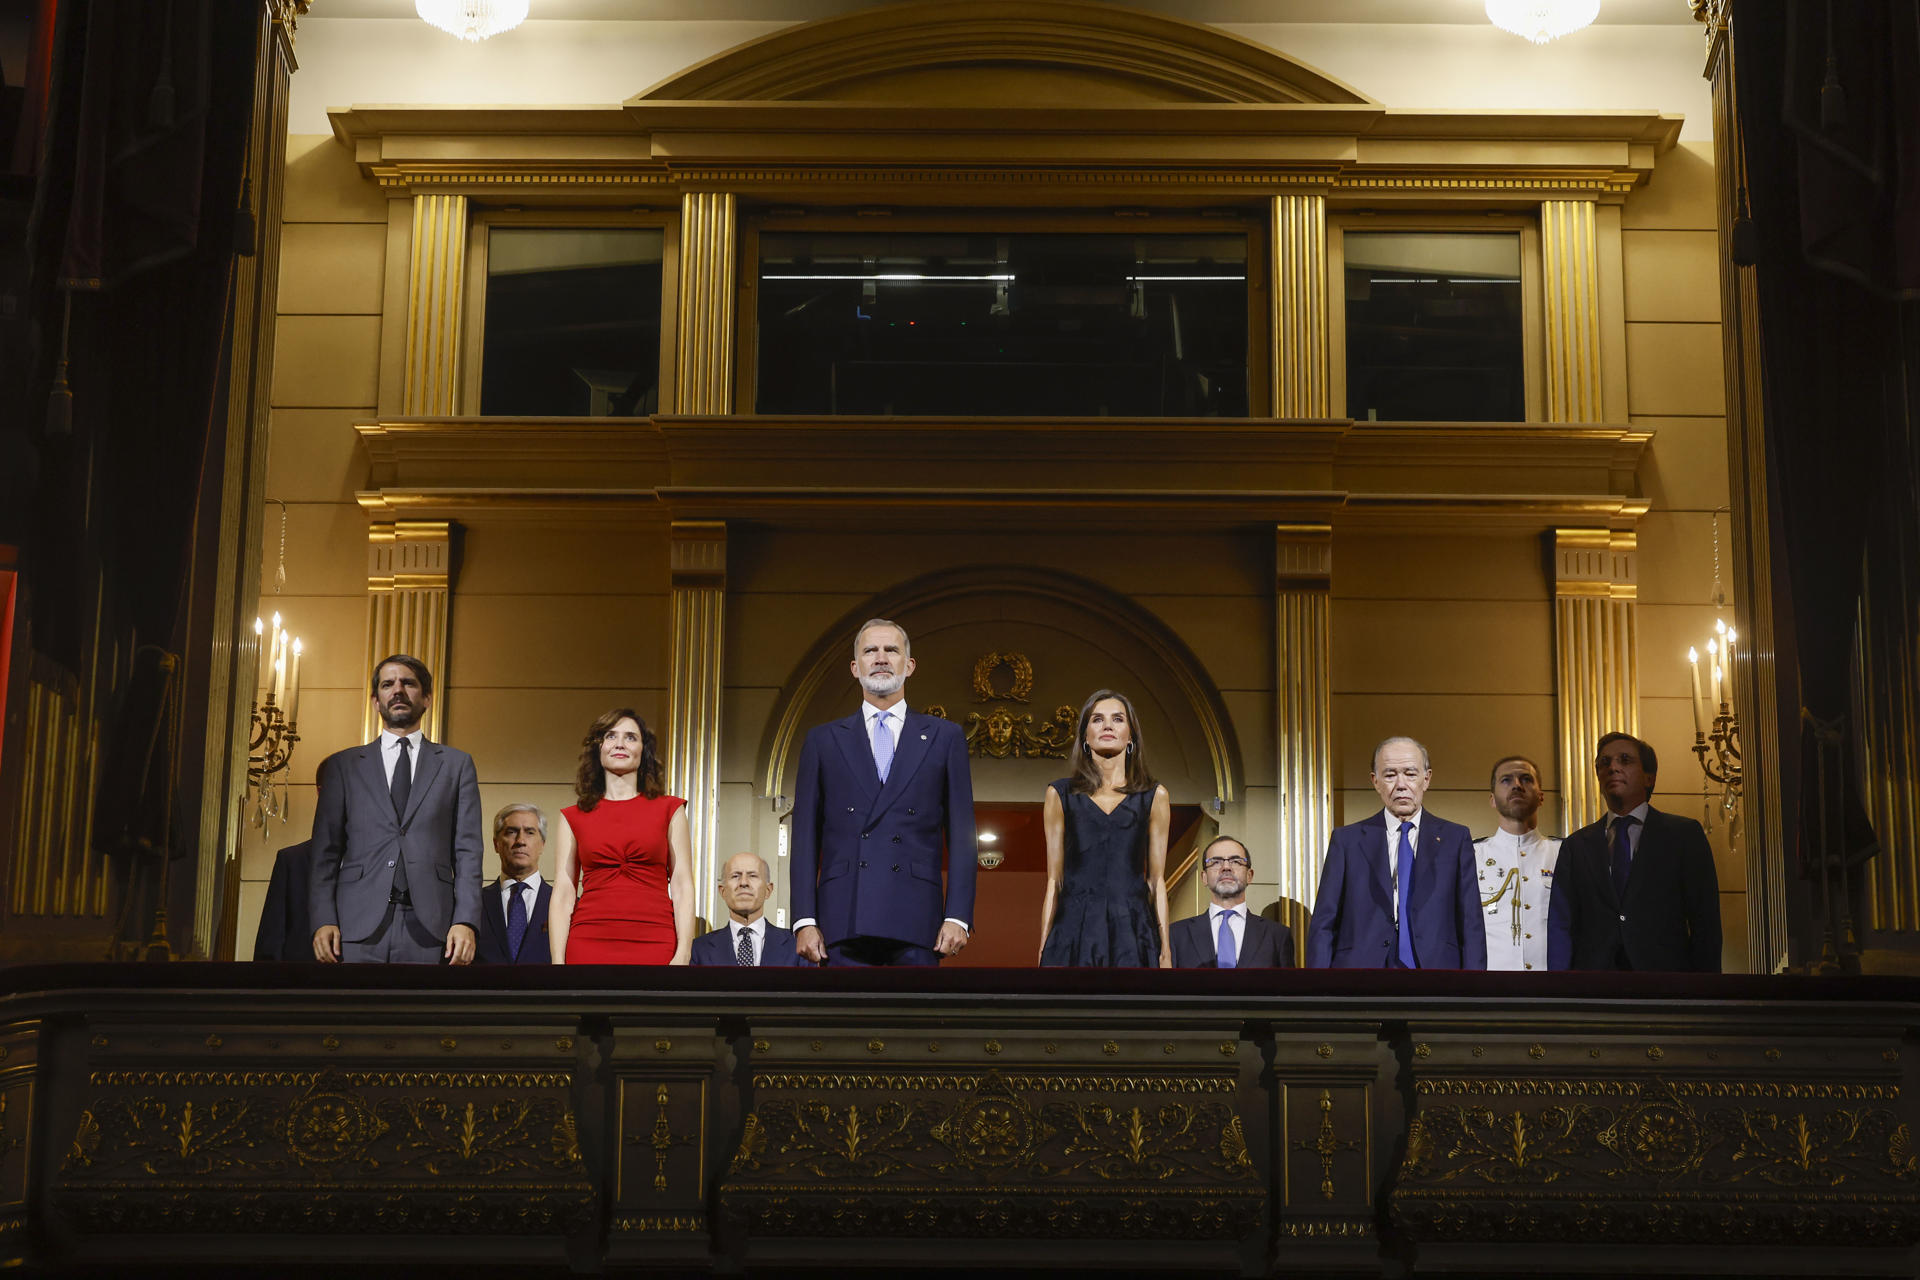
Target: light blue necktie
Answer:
pixel 882 747
pixel 1405 895
pixel 1224 948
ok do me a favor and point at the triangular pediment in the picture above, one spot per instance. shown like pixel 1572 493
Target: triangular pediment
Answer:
pixel 1034 53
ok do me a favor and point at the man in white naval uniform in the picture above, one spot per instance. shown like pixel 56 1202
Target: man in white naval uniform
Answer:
pixel 1515 864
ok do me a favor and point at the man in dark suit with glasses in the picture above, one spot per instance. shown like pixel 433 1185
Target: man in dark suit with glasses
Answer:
pixel 1227 935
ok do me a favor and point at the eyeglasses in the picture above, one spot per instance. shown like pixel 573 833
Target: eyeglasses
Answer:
pixel 1214 864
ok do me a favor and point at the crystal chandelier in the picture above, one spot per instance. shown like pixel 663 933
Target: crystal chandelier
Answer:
pixel 472 20
pixel 1535 20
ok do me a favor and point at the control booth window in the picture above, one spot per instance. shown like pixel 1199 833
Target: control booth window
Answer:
pixel 572 322
pixel 1038 324
pixel 1434 329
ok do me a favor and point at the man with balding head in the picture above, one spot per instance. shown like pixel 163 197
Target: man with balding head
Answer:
pixel 749 938
pixel 1397 890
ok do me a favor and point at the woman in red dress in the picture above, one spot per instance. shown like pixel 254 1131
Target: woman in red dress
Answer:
pixel 623 888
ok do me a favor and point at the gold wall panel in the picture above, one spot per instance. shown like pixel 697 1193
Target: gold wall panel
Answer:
pixel 1299 310
pixel 703 369
pixel 409 575
pixel 435 284
pixel 1570 264
pixel 1303 703
pixel 1596 641
pixel 697 552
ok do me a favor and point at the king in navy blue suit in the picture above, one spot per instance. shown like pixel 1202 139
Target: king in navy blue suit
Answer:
pixel 1398 890
pixel 745 883
pixel 881 795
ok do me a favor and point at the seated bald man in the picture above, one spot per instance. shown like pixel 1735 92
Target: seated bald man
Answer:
pixel 749 938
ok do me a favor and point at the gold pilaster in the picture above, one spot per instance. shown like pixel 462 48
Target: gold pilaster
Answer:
pixel 703 367
pixel 1303 702
pixel 1299 310
pixel 409 577
pixel 1596 642
pixel 697 559
pixel 1570 264
pixel 54 870
pixel 434 288
pixel 1758 678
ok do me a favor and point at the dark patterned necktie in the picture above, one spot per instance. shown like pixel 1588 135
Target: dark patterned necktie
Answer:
pixel 516 918
pixel 1622 854
pixel 744 955
pixel 400 786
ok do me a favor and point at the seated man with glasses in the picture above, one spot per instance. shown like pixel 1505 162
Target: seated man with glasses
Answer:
pixel 1226 935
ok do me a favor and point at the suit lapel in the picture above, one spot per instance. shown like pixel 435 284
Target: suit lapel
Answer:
pixel 424 773
pixel 1376 833
pixel 1647 842
pixel 374 774
pixel 851 734
pixel 1425 859
pixel 914 738
pixel 497 916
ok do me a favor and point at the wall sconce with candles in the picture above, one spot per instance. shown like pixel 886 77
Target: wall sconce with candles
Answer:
pixel 1716 724
pixel 275 724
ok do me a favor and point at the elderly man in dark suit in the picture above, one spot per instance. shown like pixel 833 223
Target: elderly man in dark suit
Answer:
pixel 513 915
pixel 1398 890
pixel 879 795
pixel 749 939
pixel 1637 889
pixel 1227 935
pixel 396 838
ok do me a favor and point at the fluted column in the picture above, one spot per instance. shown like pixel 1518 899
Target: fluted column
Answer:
pixel 1303 701
pixel 435 281
pixel 703 366
pixel 1299 310
pixel 1570 264
pixel 697 553
pixel 409 577
pixel 1596 643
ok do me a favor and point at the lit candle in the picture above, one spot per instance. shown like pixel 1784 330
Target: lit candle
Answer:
pixel 273 660
pixel 1693 667
pixel 293 683
pixel 260 678
pixel 1731 635
pixel 1719 698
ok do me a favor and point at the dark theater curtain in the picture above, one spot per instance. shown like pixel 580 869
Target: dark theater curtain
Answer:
pixel 1828 96
pixel 136 214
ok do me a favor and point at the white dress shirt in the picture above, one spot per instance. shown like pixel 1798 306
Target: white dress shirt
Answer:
pixel 759 931
pixel 390 752
pixel 1393 853
pixel 1237 914
pixel 1515 874
pixel 531 896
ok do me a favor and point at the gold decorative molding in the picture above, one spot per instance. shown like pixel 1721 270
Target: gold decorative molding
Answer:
pixel 1298 311
pixel 1020 669
pixel 1303 704
pixel 999 734
pixel 1156 56
pixel 1570 266
pixel 435 275
pixel 697 563
pixel 409 577
pixel 703 373
pixel 1596 639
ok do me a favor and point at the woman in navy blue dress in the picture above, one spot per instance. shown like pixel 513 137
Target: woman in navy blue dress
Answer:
pixel 1106 830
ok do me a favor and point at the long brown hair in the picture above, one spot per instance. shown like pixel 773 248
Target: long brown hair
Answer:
pixel 590 781
pixel 1086 771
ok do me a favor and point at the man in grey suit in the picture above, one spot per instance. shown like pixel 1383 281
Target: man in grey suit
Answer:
pixel 397 838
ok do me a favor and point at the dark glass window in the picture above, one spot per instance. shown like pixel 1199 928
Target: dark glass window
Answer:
pixel 572 322
pixel 1434 327
pixel 996 325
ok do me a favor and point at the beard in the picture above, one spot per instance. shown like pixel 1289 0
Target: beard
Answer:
pixel 1516 810
pixel 883 686
pixel 1226 889
pixel 398 715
